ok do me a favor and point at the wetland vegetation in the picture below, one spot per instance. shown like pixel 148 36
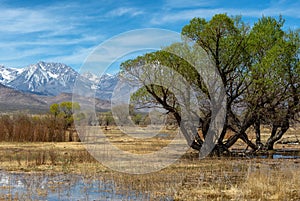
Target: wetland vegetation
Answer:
pixel 65 170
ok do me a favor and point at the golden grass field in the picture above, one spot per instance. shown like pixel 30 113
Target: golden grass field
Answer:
pixel 188 178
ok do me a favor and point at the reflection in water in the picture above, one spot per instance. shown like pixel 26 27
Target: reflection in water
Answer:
pixel 20 186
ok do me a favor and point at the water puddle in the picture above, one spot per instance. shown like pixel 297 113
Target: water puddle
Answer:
pixel 280 156
pixel 21 186
pixel 277 154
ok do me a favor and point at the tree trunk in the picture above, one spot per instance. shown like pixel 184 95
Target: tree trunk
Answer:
pixel 258 135
pixel 194 141
pixel 243 136
pixel 276 136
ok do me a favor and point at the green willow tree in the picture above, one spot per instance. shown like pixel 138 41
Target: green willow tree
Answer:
pixel 225 40
pixel 274 93
pixel 64 111
pixel 148 69
pixel 258 66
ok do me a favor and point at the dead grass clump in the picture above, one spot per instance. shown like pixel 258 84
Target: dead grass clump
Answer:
pixel 44 156
pixel 242 180
pixel 272 184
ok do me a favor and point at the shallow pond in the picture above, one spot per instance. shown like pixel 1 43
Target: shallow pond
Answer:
pixel 22 186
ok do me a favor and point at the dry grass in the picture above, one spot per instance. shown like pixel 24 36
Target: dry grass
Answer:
pixel 132 144
pixel 187 179
pixel 247 180
pixel 53 157
pixel 266 183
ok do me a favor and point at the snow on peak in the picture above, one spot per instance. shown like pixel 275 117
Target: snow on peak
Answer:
pixel 55 78
pixel 90 76
pixel 8 74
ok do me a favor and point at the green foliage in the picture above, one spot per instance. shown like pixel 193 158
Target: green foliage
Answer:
pixel 54 109
pixel 137 118
pixel 108 119
pixel 65 111
pixel 259 68
pixel 274 54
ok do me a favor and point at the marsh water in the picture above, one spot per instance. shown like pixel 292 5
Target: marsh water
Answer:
pixel 23 186
pixel 277 154
pixel 60 186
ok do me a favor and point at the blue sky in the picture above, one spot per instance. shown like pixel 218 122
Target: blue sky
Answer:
pixel 68 31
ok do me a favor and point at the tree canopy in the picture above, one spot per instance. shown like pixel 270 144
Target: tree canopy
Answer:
pixel 259 71
pixel 65 111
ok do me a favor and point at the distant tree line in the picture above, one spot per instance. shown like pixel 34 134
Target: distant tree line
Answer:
pixel 136 118
pixel 28 128
pixel 56 126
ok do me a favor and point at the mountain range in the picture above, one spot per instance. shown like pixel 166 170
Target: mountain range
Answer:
pixel 41 84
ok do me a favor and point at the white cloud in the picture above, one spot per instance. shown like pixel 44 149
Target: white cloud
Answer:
pixel 67 32
pixel 21 20
pixel 50 42
pixel 182 10
pixel 122 45
pixel 74 59
pixel 40 33
pixel 14 53
pixel 187 3
pixel 173 17
pixel 124 11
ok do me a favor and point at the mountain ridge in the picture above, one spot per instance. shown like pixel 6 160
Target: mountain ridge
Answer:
pixel 41 84
pixel 50 78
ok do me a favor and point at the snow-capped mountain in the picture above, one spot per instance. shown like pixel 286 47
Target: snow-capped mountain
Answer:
pixel 45 78
pixel 91 77
pixel 52 79
pixel 106 86
pixel 103 85
pixel 8 74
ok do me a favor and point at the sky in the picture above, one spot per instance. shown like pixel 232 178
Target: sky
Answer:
pixel 69 31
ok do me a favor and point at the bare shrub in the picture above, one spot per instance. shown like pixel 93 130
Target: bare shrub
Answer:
pixel 34 128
